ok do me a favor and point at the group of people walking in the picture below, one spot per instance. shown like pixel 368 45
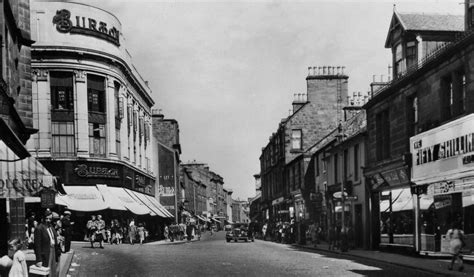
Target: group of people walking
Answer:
pixel 115 233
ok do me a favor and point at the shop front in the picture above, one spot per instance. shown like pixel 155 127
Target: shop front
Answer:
pixel 443 180
pixel 21 178
pixel 393 208
pixel 113 190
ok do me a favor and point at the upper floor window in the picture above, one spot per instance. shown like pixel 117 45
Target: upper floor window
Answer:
pixel 62 138
pixel 382 133
pixel 336 173
pixel 399 62
pixel 411 54
pixel 118 103
pixel 346 164
pixel 97 140
pixel 356 162
pixel 61 90
pixel 412 115
pixel 296 139
pixel 95 93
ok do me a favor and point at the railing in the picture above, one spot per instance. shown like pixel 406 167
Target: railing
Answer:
pixel 433 55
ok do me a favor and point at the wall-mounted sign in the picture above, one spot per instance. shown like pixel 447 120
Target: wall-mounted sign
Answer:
pixel 443 151
pixel 84 171
pixel 85 26
pixel 47 198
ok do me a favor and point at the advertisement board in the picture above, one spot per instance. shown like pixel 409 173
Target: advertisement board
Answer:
pixel 443 152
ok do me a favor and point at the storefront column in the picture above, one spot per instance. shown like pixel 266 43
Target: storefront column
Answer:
pixel 81 114
pixel 416 199
pixel 110 100
pixel 41 113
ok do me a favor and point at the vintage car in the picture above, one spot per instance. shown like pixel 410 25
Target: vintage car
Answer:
pixel 239 231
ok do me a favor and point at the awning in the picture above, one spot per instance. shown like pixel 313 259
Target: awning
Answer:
pixel 21 177
pixel 146 202
pixel 159 206
pixel 230 222
pixel 217 221
pixel 133 205
pixel 112 201
pixel 83 199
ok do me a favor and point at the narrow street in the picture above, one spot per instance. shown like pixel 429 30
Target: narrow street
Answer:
pixel 213 256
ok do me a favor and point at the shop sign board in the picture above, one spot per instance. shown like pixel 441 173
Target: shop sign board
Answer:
pixel 47 198
pixel 443 151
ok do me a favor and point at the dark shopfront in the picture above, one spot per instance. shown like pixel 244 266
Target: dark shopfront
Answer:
pixel 90 176
pixel 393 208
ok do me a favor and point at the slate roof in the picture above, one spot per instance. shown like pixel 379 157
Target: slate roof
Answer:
pixel 431 22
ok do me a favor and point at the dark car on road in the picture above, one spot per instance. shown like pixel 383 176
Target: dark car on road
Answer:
pixel 238 231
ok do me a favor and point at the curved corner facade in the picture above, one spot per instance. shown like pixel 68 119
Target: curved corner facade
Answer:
pixel 92 108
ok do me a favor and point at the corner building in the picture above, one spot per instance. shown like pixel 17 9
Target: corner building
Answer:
pixel 93 112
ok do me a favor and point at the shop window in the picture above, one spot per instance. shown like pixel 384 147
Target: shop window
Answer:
pixel 61 90
pixel 296 139
pixel 382 133
pixel 97 140
pixel 96 93
pixel 62 134
pixel 397 223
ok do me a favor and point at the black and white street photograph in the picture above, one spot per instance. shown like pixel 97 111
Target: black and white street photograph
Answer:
pixel 236 138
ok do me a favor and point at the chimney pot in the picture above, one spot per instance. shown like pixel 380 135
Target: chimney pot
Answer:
pixel 343 69
pixel 309 71
pixel 324 70
pixel 314 70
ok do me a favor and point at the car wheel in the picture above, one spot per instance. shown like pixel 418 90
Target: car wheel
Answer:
pixel 253 240
pixel 235 240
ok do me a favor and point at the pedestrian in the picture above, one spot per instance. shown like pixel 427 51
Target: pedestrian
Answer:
pixel 67 230
pixel 166 232
pixel 456 243
pixel 91 229
pixel 141 232
pixel 100 233
pixel 132 231
pixel 19 268
pixel 46 244
pixel 264 231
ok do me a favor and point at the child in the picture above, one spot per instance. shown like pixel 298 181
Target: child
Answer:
pixel 19 268
pixel 141 232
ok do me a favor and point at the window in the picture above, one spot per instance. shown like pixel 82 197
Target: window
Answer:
pixel 117 143
pixel 399 62
pixel 96 140
pixel 412 117
pixel 117 98
pixel 356 162
pixel 317 165
pixel 61 91
pixel 296 139
pixel 447 97
pixel 336 173
pixel 382 133
pixel 63 139
pixel 411 54
pixel 95 93
pixel 346 164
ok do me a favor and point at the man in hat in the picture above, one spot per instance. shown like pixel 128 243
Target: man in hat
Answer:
pixel 100 230
pixel 67 230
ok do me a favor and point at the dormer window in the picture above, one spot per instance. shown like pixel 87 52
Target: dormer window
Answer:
pixel 399 65
pixel 411 54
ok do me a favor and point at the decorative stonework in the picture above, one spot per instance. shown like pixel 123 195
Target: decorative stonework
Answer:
pixel 80 76
pixel 40 75
pixel 110 82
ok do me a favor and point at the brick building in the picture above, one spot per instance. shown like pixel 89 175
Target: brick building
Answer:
pixel 432 87
pixel 284 160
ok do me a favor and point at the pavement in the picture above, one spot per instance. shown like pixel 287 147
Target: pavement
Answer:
pixel 64 261
pixel 436 264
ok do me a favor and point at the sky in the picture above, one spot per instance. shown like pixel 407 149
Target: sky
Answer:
pixel 227 71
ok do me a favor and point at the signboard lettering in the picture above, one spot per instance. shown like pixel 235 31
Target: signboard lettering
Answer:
pixel 86 26
pixel 84 171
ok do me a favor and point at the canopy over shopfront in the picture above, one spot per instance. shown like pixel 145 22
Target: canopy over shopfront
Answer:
pixel 21 176
pixel 102 197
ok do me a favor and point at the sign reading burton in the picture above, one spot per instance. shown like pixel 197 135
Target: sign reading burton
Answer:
pixel 85 26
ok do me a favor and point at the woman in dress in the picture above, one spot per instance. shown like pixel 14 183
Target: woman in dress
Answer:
pixel 19 268
pixel 456 241
pixel 141 232
pixel 132 232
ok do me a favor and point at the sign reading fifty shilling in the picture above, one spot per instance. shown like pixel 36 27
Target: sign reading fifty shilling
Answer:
pixel 85 26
